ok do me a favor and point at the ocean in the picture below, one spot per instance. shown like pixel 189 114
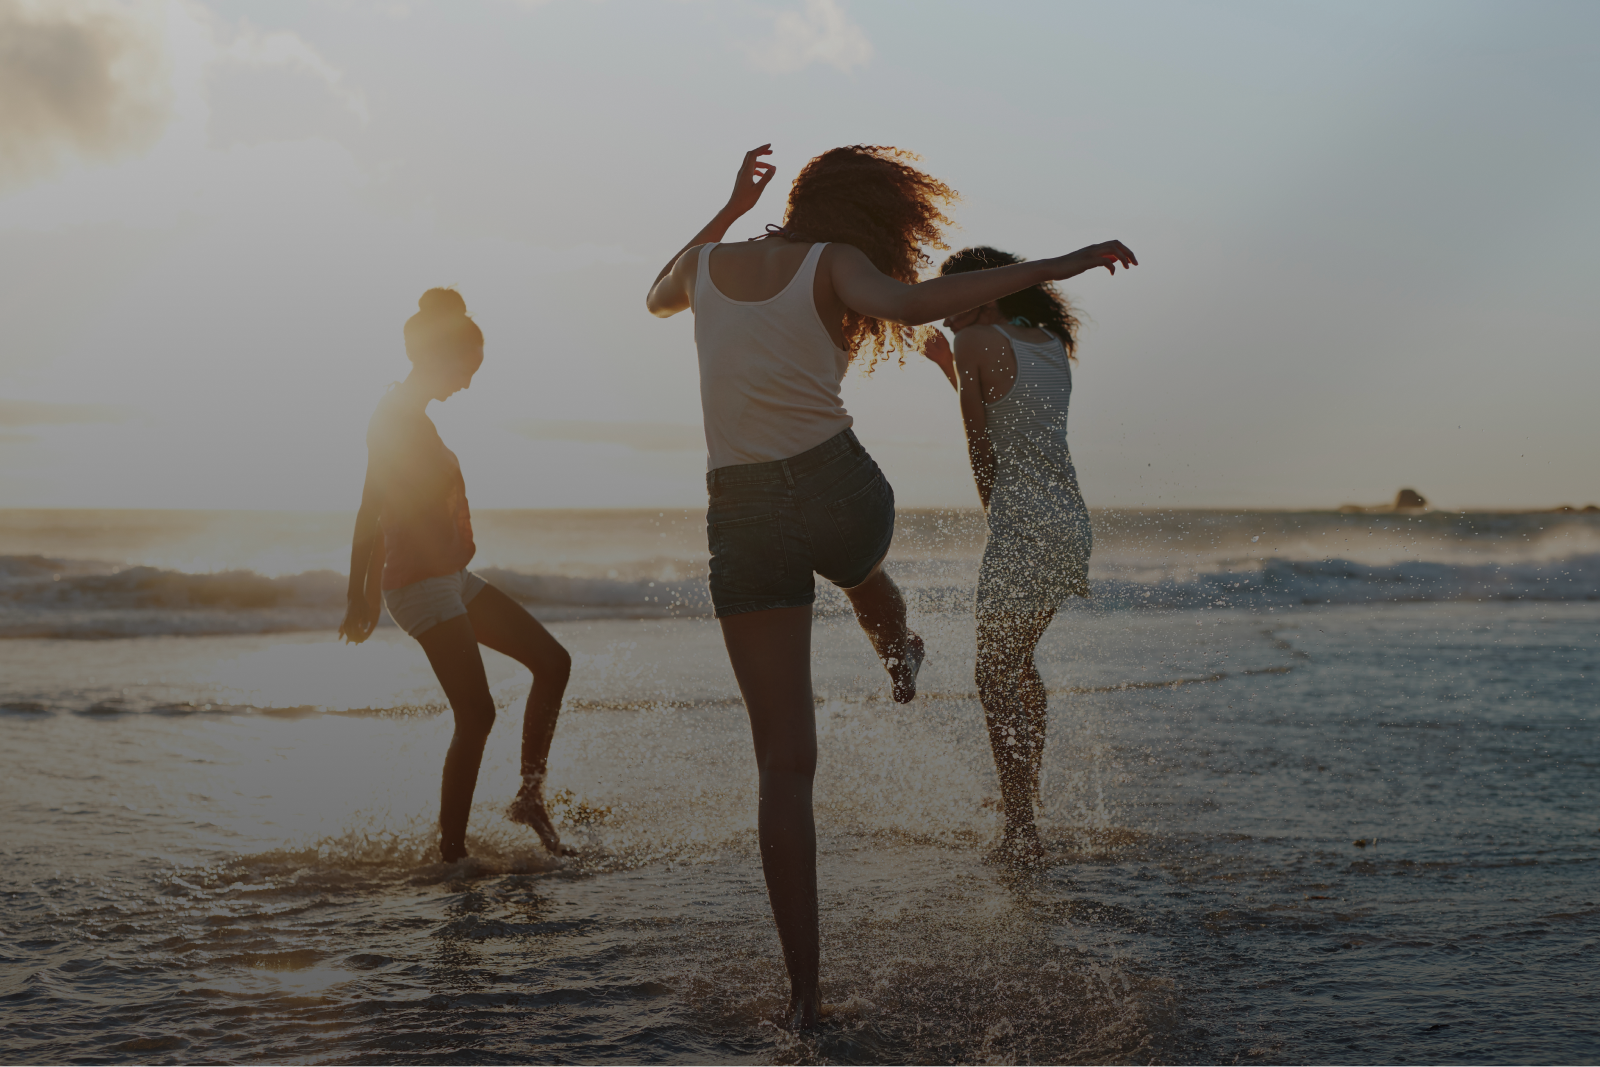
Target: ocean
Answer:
pixel 1319 788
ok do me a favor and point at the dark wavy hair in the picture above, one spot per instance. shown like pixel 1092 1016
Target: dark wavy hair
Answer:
pixel 1041 305
pixel 871 197
pixel 441 327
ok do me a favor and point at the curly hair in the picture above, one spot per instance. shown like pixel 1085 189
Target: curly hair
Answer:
pixel 871 197
pixel 1039 305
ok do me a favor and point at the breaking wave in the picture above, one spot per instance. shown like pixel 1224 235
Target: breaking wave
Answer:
pixel 1339 581
pixel 45 597
pixel 42 596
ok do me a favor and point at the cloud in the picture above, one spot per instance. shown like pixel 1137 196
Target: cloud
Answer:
pixel 643 436
pixel 815 31
pixel 35 413
pixel 274 86
pixel 819 32
pixel 78 77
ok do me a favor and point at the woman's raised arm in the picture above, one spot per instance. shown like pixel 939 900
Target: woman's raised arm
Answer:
pixel 671 292
pixel 866 290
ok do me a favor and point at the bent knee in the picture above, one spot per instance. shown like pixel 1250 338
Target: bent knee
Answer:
pixel 474 724
pixel 1001 669
pixel 560 665
pixel 1000 677
pixel 554 667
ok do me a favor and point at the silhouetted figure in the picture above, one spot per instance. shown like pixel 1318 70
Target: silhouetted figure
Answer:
pixel 412 544
pixel 1011 368
pixel 792 492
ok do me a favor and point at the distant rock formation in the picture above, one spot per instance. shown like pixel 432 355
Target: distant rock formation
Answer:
pixel 1409 500
pixel 1404 500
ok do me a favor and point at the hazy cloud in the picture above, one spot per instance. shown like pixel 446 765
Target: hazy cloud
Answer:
pixel 78 77
pixel 644 436
pixel 819 32
pixel 34 413
pixel 276 87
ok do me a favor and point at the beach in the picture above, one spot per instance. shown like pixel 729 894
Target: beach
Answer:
pixel 1318 788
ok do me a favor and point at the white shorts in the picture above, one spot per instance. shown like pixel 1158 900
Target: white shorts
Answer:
pixel 423 605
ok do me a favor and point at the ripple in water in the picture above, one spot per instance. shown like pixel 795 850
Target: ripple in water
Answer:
pixel 1323 834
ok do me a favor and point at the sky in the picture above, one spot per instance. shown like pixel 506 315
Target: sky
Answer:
pixel 1366 235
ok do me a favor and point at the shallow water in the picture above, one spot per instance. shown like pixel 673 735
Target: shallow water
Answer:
pixel 221 848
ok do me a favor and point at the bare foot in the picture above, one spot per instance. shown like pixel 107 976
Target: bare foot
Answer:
pixel 452 851
pixel 805 1015
pixel 1020 850
pixel 529 810
pixel 903 670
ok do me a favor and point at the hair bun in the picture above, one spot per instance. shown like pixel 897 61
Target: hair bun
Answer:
pixel 441 302
pixel 441 327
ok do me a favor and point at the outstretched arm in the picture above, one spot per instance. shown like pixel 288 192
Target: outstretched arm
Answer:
pixel 365 593
pixel 866 290
pixel 672 290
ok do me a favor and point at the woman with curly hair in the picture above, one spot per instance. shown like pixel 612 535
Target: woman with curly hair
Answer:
pixel 1011 367
pixel 792 492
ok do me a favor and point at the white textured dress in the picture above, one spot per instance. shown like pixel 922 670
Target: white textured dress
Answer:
pixel 1039 535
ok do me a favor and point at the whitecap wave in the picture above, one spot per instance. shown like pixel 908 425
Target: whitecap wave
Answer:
pixel 59 598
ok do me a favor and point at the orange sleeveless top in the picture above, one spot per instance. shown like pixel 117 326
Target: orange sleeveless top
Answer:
pixel 427 526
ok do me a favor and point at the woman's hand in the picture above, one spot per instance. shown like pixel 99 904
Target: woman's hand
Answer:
pixel 672 291
pixel 754 174
pixel 360 619
pixel 939 353
pixel 1106 254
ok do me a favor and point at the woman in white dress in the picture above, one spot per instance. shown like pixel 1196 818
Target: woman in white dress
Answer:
pixel 1011 365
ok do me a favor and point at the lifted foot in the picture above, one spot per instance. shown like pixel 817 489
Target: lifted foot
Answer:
pixel 903 670
pixel 528 809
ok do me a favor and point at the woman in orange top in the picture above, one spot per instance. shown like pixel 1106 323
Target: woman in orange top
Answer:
pixel 413 541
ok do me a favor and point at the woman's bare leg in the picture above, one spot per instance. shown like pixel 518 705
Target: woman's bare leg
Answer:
pixel 452 648
pixel 771 656
pixel 505 626
pixel 881 611
pixel 1035 713
pixel 1015 710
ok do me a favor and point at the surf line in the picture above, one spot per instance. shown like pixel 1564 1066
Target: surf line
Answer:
pixel 737 702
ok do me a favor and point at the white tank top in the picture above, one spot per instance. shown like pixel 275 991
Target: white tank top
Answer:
pixel 769 372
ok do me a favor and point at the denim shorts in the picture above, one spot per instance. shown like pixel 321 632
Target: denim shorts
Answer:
pixel 420 606
pixel 828 510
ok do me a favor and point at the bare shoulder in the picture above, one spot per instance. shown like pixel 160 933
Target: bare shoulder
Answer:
pixel 383 415
pixel 839 256
pixel 390 423
pixel 979 343
pixel 686 271
pixel 1034 335
pixel 689 262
